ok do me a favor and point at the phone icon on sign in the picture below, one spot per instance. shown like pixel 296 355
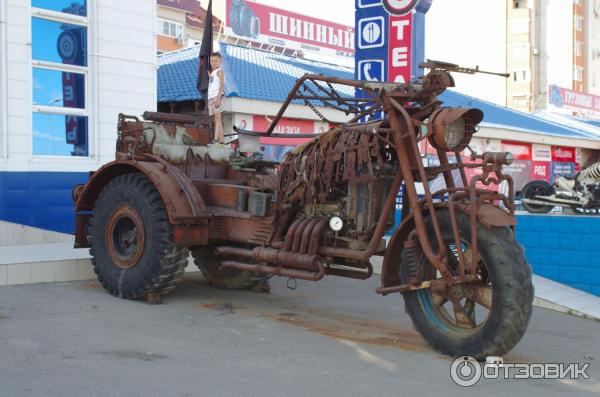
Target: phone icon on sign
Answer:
pixel 370 70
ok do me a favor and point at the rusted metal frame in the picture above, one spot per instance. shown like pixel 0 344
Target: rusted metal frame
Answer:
pixel 377 129
pixel 334 96
pixel 348 273
pixel 319 98
pixel 363 113
pixel 340 98
pixel 327 101
pixel 175 172
pixel 433 284
pixel 463 175
pixel 169 118
pixel 300 82
pixel 278 271
pixel 439 260
pixel 447 173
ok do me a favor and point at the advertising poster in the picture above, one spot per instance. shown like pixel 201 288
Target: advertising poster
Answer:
pixel 273 26
pixel 562 169
pixel 540 170
pixel 563 154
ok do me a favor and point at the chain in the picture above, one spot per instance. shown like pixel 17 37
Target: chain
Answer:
pixel 327 104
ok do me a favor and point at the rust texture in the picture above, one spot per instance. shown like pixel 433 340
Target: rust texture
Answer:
pixel 325 208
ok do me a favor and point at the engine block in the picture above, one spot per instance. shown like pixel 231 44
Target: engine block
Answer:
pixel 345 173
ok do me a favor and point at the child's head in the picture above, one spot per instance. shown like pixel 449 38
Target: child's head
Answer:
pixel 215 60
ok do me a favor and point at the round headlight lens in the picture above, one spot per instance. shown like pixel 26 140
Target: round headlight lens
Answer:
pixel 455 133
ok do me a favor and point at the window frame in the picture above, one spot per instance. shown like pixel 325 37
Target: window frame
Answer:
pixel 87 71
pixel 161 22
pixel 578 23
pixel 578 72
pixel 525 74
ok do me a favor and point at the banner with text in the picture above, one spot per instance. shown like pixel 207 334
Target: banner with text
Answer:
pixel 276 27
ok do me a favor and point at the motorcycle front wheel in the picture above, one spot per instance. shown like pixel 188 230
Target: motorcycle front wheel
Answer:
pixel 483 318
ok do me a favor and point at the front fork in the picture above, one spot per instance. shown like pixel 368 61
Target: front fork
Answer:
pixel 407 147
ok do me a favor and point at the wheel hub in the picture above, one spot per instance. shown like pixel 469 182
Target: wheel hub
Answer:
pixel 125 237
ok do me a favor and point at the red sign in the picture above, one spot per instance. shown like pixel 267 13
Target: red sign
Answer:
pixel 274 26
pixel 563 154
pixel 399 52
pixel 521 151
pixel 540 170
pixel 285 126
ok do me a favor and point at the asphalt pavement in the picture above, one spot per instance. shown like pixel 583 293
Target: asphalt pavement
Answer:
pixel 331 338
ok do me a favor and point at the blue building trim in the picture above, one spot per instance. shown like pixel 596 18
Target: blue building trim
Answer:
pixel 39 199
pixel 563 248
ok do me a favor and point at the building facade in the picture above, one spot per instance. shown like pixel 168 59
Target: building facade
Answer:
pixel 551 46
pixel 544 45
pixel 67 69
pixel 180 24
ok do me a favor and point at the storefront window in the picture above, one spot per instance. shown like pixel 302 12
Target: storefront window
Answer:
pixel 59 75
pixel 58 42
pixel 55 88
pixel 59 135
pixel 76 7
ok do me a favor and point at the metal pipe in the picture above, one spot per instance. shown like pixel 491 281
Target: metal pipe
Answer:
pixel 299 274
pixel 272 256
pixel 287 246
pixel 306 235
pixel 313 247
pixel 298 234
pixel 438 261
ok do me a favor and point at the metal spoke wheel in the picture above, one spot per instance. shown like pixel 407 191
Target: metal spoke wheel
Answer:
pixel 478 318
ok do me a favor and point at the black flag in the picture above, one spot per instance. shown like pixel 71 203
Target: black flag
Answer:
pixel 206 48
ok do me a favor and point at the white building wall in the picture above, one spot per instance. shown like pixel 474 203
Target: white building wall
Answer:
pixel 122 78
pixel 592 46
pixel 556 64
pixel 470 33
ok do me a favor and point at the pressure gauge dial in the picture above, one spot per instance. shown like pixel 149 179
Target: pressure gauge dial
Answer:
pixel 336 223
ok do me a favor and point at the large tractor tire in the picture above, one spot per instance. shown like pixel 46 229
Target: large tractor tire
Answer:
pixel 533 189
pixel 483 318
pixel 131 240
pixel 208 264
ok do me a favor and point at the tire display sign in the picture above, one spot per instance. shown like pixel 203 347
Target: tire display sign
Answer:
pixel 400 7
pixel 276 27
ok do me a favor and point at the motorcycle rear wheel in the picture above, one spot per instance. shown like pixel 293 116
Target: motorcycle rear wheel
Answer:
pixel 531 190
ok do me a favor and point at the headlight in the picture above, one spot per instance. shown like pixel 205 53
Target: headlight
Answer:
pixel 455 133
pixel 453 128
